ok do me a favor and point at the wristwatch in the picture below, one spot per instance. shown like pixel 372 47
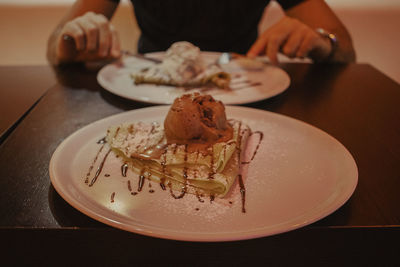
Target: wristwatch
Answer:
pixel 331 36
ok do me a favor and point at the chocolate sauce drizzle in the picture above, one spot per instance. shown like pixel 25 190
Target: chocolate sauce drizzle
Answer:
pixel 248 85
pixel 162 185
pixel 212 198
pixel 163 155
pixel 261 137
pixel 102 142
pixel 184 186
pixel 124 169
pixel 234 82
pixel 100 168
pixel 243 84
pixel 212 172
pixel 199 197
pixel 129 186
pixel 141 180
pixel 242 192
pixel 163 166
pixel 240 178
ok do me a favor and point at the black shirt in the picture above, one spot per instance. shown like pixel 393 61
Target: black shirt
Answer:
pixel 212 25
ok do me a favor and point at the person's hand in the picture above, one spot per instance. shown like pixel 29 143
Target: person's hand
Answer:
pixel 292 38
pixel 87 38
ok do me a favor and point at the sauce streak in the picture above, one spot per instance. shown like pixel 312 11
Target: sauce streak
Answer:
pixel 124 169
pixel 184 187
pixel 242 192
pixel 261 136
pixel 100 168
pixel 212 172
pixel 163 153
pixel 163 166
pixel 141 181
pixel 162 185
pixel 93 162
pixel 247 85
pixel 212 197
pixel 199 197
pixel 102 141
pixel 129 186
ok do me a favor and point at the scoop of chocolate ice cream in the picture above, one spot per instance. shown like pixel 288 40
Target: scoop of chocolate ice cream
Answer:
pixel 197 119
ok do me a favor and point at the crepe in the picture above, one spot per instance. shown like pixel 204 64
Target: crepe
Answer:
pixel 183 66
pixel 144 148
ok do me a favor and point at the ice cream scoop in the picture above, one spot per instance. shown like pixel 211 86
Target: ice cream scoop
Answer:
pixel 195 118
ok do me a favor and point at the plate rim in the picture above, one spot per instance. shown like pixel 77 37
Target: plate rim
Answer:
pixel 187 235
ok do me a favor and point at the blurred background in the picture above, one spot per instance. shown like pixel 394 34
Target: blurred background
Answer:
pixel 25 26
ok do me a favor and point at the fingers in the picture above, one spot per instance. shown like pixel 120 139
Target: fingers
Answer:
pixel 272 49
pixel 271 41
pixel 293 43
pixel 306 46
pixel 115 44
pixel 103 33
pixel 259 46
pixel 90 33
pixel 94 37
pixel 73 31
pixel 292 38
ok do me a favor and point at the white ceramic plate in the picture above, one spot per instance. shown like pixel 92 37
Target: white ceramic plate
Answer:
pixel 247 85
pixel 299 175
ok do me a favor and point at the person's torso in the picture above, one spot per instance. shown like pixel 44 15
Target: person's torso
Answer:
pixel 222 25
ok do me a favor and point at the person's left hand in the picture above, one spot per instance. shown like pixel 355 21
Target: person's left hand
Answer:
pixel 294 39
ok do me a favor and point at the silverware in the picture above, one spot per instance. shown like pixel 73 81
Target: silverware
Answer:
pixel 245 62
pixel 224 58
pixel 140 56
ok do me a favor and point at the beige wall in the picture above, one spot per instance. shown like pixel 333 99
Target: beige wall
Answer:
pixel 25 27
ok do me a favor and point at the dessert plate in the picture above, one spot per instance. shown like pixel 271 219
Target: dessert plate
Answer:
pixel 299 175
pixel 247 85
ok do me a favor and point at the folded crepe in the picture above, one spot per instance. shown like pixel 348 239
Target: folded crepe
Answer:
pixel 143 146
pixel 183 66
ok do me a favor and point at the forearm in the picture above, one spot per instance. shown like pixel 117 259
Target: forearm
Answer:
pixel 317 14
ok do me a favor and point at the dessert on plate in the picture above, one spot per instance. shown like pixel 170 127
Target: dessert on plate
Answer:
pixel 183 66
pixel 197 150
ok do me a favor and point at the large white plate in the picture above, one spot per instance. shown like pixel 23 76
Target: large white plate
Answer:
pixel 247 85
pixel 299 175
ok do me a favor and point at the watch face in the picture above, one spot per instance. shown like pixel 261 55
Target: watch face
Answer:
pixel 331 36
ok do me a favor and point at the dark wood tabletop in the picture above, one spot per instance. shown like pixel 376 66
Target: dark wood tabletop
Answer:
pixel 21 88
pixel 355 103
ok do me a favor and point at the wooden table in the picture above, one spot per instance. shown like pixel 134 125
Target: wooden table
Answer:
pixel 21 87
pixel 355 103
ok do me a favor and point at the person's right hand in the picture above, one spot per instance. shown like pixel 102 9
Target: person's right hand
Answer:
pixel 87 38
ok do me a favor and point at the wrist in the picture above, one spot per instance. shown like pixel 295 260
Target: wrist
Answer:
pixel 333 40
